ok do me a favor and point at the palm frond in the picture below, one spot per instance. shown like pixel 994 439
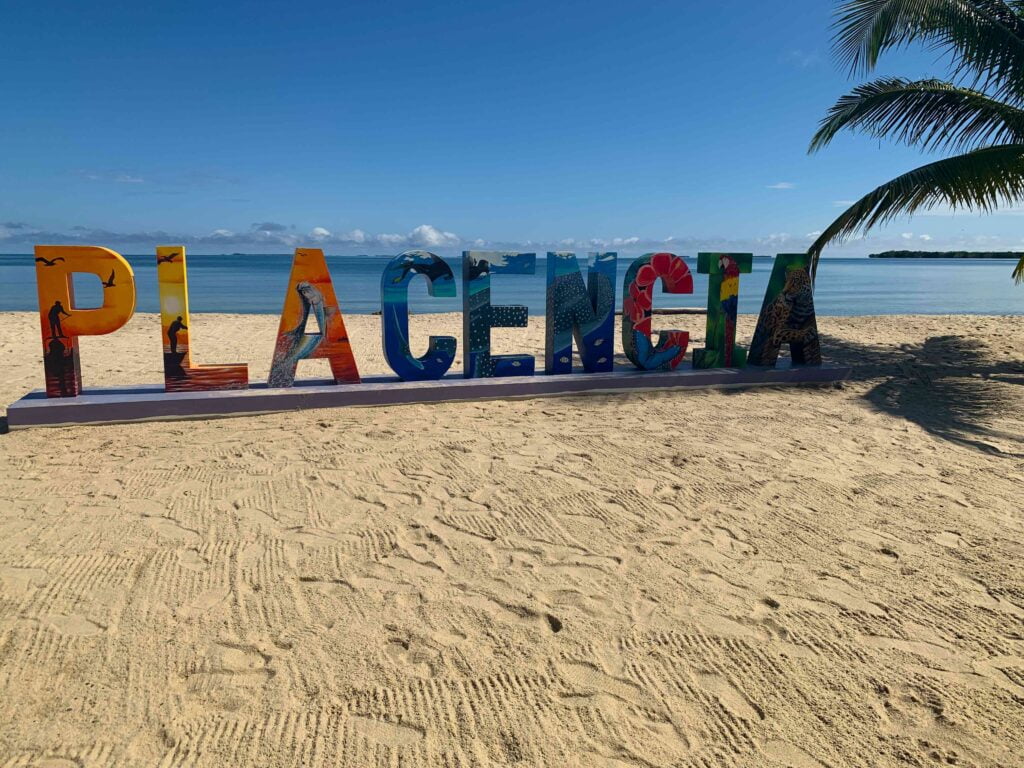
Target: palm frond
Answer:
pixel 985 37
pixel 979 180
pixel 930 114
pixel 1018 272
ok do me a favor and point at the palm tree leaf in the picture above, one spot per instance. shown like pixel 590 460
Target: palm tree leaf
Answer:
pixel 985 37
pixel 1018 272
pixel 928 113
pixel 978 180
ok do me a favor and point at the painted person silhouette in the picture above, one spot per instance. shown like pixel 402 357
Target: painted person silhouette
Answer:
pixel 54 315
pixel 57 364
pixel 172 333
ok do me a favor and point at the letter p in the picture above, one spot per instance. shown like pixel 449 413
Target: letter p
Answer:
pixel 62 322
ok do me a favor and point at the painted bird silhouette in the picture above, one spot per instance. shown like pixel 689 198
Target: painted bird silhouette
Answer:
pixel 109 282
pixel 49 262
pixel 435 270
pixel 166 259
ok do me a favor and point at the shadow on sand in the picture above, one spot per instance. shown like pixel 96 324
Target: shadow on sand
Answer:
pixel 951 386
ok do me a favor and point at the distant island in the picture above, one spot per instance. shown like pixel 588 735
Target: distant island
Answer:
pixel 946 255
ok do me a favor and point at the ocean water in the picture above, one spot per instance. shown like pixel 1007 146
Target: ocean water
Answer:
pixel 845 286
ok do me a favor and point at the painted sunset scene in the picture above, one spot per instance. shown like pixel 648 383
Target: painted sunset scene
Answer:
pixel 512 384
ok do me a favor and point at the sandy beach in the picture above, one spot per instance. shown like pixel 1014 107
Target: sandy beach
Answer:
pixel 797 577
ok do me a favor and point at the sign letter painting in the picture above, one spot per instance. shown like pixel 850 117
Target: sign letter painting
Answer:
pixel 479 315
pixel 310 295
pixel 62 322
pixel 180 374
pixel 723 270
pixel 394 301
pixel 584 312
pixel 787 315
pixel 637 306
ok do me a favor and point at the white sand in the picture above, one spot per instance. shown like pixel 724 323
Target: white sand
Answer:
pixel 782 577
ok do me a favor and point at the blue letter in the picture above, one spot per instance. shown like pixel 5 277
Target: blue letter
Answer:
pixel 479 316
pixel 394 301
pixel 584 311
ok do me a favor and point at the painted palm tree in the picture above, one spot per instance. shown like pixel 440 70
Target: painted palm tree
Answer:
pixel 978 114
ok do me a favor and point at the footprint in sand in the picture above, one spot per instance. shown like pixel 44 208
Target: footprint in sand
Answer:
pixel 730 697
pixel 204 603
pixel 414 658
pixel 171 529
pixel 937 654
pixel 785 754
pixel 977 593
pixel 589 681
pixel 950 539
pixel 18 581
pixel 54 762
pixel 74 624
pixel 239 664
pixel 190 559
pixel 310 537
pixel 385 732
pixel 844 595
pixel 257 517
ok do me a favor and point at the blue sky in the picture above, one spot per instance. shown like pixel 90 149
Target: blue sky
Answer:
pixel 370 127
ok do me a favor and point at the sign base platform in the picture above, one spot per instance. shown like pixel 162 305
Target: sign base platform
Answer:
pixel 127 404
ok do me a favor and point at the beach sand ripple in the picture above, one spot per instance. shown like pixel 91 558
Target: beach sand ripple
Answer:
pixel 798 577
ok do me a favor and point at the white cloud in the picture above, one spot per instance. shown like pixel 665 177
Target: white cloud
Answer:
pixel 813 235
pixel 117 177
pixel 277 239
pixel 842 203
pixel 1005 209
pixel 432 237
pixel 803 58
pixel 600 242
pixel 782 185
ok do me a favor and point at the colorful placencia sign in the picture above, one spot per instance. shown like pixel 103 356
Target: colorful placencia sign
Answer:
pixel 579 312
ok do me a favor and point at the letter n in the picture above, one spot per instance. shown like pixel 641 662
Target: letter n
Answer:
pixel 586 312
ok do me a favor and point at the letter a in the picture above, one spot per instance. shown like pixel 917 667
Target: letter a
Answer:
pixel 180 375
pixel 311 292
pixel 787 315
pixel 62 322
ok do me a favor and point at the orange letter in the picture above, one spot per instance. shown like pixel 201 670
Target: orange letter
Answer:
pixel 62 322
pixel 310 291
pixel 180 375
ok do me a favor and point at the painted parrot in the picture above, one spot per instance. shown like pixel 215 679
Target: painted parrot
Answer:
pixel 729 297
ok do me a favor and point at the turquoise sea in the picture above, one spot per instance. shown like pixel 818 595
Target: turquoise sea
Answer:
pixel 846 286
